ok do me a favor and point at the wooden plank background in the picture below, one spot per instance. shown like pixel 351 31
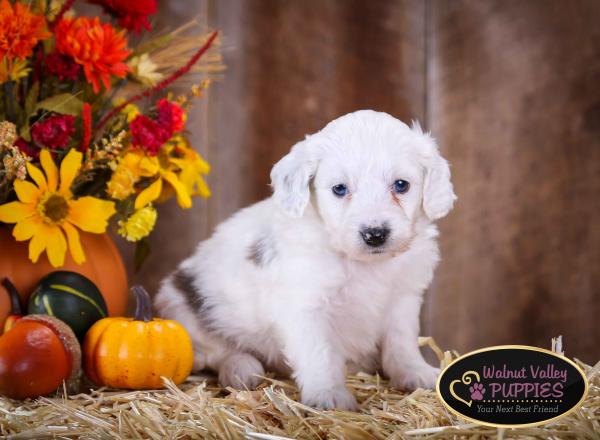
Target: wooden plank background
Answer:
pixel 511 89
pixel 514 98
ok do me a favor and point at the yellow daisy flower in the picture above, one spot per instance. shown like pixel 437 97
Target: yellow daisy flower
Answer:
pixel 192 168
pixel 46 211
pixel 160 166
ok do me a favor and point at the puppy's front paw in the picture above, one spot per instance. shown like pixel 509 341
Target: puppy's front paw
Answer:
pixel 241 371
pixel 411 378
pixel 338 398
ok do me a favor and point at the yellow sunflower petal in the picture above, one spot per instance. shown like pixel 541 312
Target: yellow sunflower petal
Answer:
pixel 50 169
pixel 201 165
pixel 37 176
pixel 14 212
pixel 203 189
pixel 149 194
pixel 90 214
pixel 183 197
pixel 26 191
pixel 74 242
pixel 69 168
pixel 149 166
pixel 27 228
pixel 37 244
pixel 56 246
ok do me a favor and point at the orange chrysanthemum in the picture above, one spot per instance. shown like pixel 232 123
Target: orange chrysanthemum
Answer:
pixel 20 30
pixel 97 46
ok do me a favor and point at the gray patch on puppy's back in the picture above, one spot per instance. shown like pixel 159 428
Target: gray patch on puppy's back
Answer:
pixel 183 281
pixel 262 251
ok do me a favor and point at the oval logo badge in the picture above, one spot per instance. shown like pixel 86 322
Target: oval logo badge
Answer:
pixel 512 386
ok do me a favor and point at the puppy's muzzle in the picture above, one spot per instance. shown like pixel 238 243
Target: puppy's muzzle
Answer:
pixel 375 237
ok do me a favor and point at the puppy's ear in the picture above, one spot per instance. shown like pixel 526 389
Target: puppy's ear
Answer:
pixel 290 178
pixel 438 193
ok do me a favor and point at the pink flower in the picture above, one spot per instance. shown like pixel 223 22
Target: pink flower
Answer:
pixel 53 132
pixel 148 134
pixel 62 66
pixel 170 116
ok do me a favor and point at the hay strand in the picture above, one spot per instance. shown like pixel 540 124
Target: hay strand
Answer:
pixel 199 408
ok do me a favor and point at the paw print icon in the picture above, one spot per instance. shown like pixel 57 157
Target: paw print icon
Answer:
pixel 477 391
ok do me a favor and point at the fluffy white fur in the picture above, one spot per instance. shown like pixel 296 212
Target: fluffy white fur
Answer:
pixel 289 284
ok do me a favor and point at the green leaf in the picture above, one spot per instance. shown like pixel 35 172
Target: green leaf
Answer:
pixel 31 98
pixel 25 133
pixel 64 103
pixel 142 251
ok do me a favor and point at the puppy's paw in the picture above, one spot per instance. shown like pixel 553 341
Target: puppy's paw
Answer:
pixel 411 378
pixel 338 398
pixel 241 371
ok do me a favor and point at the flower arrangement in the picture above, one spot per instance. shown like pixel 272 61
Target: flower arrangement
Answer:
pixel 90 135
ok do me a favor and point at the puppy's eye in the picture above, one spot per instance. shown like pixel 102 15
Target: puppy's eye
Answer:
pixel 340 190
pixel 401 186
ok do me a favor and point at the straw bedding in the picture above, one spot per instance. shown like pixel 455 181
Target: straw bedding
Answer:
pixel 201 409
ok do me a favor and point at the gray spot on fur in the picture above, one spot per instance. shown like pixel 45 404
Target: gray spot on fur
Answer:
pixel 262 251
pixel 184 282
pixel 191 290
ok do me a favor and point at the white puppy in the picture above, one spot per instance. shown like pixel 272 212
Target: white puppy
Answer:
pixel 329 272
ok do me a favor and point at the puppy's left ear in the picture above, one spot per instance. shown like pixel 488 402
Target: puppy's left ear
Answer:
pixel 438 194
pixel 290 178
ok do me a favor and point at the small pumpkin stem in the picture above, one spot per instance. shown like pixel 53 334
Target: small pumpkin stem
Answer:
pixel 13 293
pixel 143 308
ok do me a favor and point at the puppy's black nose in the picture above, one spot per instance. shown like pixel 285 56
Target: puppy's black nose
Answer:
pixel 375 237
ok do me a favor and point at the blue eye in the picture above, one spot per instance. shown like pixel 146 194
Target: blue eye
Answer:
pixel 340 190
pixel 401 186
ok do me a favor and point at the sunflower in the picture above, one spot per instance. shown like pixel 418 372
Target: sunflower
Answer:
pixel 46 211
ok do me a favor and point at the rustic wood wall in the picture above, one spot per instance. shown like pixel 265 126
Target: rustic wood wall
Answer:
pixel 514 99
pixel 510 88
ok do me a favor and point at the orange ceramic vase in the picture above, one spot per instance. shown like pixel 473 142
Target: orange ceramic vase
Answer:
pixel 103 266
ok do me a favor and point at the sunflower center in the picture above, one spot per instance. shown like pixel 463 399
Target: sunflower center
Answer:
pixel 54 208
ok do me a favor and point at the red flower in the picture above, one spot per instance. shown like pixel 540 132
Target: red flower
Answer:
pixel 20 30
pixel 148 134
pixel 132 15
pixel 170 116
pixel 53 132
pixel 62 66
pixel 27 148
pixel 96 46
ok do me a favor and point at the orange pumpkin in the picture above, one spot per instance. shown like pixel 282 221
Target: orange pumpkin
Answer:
pixel 103 266
pixel 135 352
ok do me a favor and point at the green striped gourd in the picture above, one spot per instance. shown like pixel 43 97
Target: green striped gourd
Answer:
pixel 71 297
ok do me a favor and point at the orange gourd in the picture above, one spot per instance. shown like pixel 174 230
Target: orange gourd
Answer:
pixel 103 266
pixel 135 352
pixel 36 355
